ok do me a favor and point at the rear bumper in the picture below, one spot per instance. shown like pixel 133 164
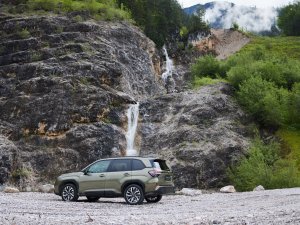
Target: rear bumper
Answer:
pixel 162 190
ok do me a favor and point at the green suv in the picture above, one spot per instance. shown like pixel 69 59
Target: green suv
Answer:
pixel 134 178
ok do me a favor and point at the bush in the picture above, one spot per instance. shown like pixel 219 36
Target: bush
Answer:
pixel 105 10
pixel 264 167
pixel 264 101
pixel 198 82
pixel 206 66
pixel 24 33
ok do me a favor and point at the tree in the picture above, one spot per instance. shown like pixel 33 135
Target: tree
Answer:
pixel 289 19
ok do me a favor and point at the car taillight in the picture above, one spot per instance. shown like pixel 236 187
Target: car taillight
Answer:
pixel 154 173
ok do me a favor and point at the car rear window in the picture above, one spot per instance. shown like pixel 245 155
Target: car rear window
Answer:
pixel 160 164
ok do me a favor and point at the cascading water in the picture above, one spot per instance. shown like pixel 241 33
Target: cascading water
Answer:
pixel 132 116
pixel 169 66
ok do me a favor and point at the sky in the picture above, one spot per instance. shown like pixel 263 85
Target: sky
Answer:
pixel 257 3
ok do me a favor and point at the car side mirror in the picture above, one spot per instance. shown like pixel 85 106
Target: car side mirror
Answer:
pixel 86 172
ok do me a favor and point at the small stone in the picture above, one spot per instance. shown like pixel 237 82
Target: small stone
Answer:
pixel 190 192
pixel 228 189
pixel 11 190
pixel 259 188
pixel 28 189
pixel 46 188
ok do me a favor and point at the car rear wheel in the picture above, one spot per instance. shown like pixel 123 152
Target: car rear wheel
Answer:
pixel 92 199
pixel 153 199
pixel 69 193
pixel 134 195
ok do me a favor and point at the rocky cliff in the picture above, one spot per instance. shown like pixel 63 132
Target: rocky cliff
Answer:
pixel 65 87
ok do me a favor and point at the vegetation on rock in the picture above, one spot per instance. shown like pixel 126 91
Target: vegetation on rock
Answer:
pixel 266 78
pixel 96 9
pixel 263 166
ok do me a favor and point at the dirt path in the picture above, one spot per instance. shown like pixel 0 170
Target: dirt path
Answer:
pixel 267 207
pixel 228 42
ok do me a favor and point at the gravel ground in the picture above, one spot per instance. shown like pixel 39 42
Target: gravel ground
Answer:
pixel 266 207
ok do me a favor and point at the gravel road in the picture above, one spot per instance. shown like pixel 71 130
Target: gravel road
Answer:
pixel 266 207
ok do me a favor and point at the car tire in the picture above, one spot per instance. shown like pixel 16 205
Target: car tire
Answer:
pixel 69 193
pixel 153 199
pixel 92 199
pixel 134 194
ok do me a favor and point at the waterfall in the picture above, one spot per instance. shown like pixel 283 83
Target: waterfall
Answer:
pixel 132 116
pixel 169 66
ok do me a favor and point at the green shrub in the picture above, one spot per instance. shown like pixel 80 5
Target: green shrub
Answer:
pixel 97 9
pixel 206 66
pixel 295 105
pixel 264 101
pixel 199 82
pixel 264 167
pixel 24 33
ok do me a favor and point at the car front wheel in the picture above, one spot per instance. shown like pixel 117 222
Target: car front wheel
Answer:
pixel 134 195
pixel 69 193
pixel 153 199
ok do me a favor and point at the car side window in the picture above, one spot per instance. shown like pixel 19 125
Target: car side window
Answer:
pixel 120 165
pixel 99 167
pixel 137 164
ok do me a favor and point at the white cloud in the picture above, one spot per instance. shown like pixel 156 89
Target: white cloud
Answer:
pixel 256 19
pixel 258 3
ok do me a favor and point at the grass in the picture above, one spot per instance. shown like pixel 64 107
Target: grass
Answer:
pixel 199 82
pixel 278 46
pixel 96 9
pixel 291 139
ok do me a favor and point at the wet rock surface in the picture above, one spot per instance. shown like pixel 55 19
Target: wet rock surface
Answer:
pixel 268 207
pixel 200 132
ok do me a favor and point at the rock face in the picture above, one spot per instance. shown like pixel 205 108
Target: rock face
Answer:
pixel 64 90
pixel 200 133
pixel 65 87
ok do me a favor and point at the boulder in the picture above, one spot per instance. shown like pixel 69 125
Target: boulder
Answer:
pixel 228 189
pixel 46 188
pixel 259 188
pixel 11 190
pixel 190 192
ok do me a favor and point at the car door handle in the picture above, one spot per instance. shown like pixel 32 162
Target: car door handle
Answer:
pixel 126 174
pixel 101 175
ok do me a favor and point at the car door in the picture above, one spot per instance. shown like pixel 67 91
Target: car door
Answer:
pixel 119 172
pixel 94 178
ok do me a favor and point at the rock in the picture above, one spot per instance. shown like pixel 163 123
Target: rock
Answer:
pixel 259 188
pixel 28 189
pixel 11 190
pixel 46 188
pixel 8 152
pixel 190 192
pixel 199 132
pixel 2 188
pixel 228 189
pixel 65 91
